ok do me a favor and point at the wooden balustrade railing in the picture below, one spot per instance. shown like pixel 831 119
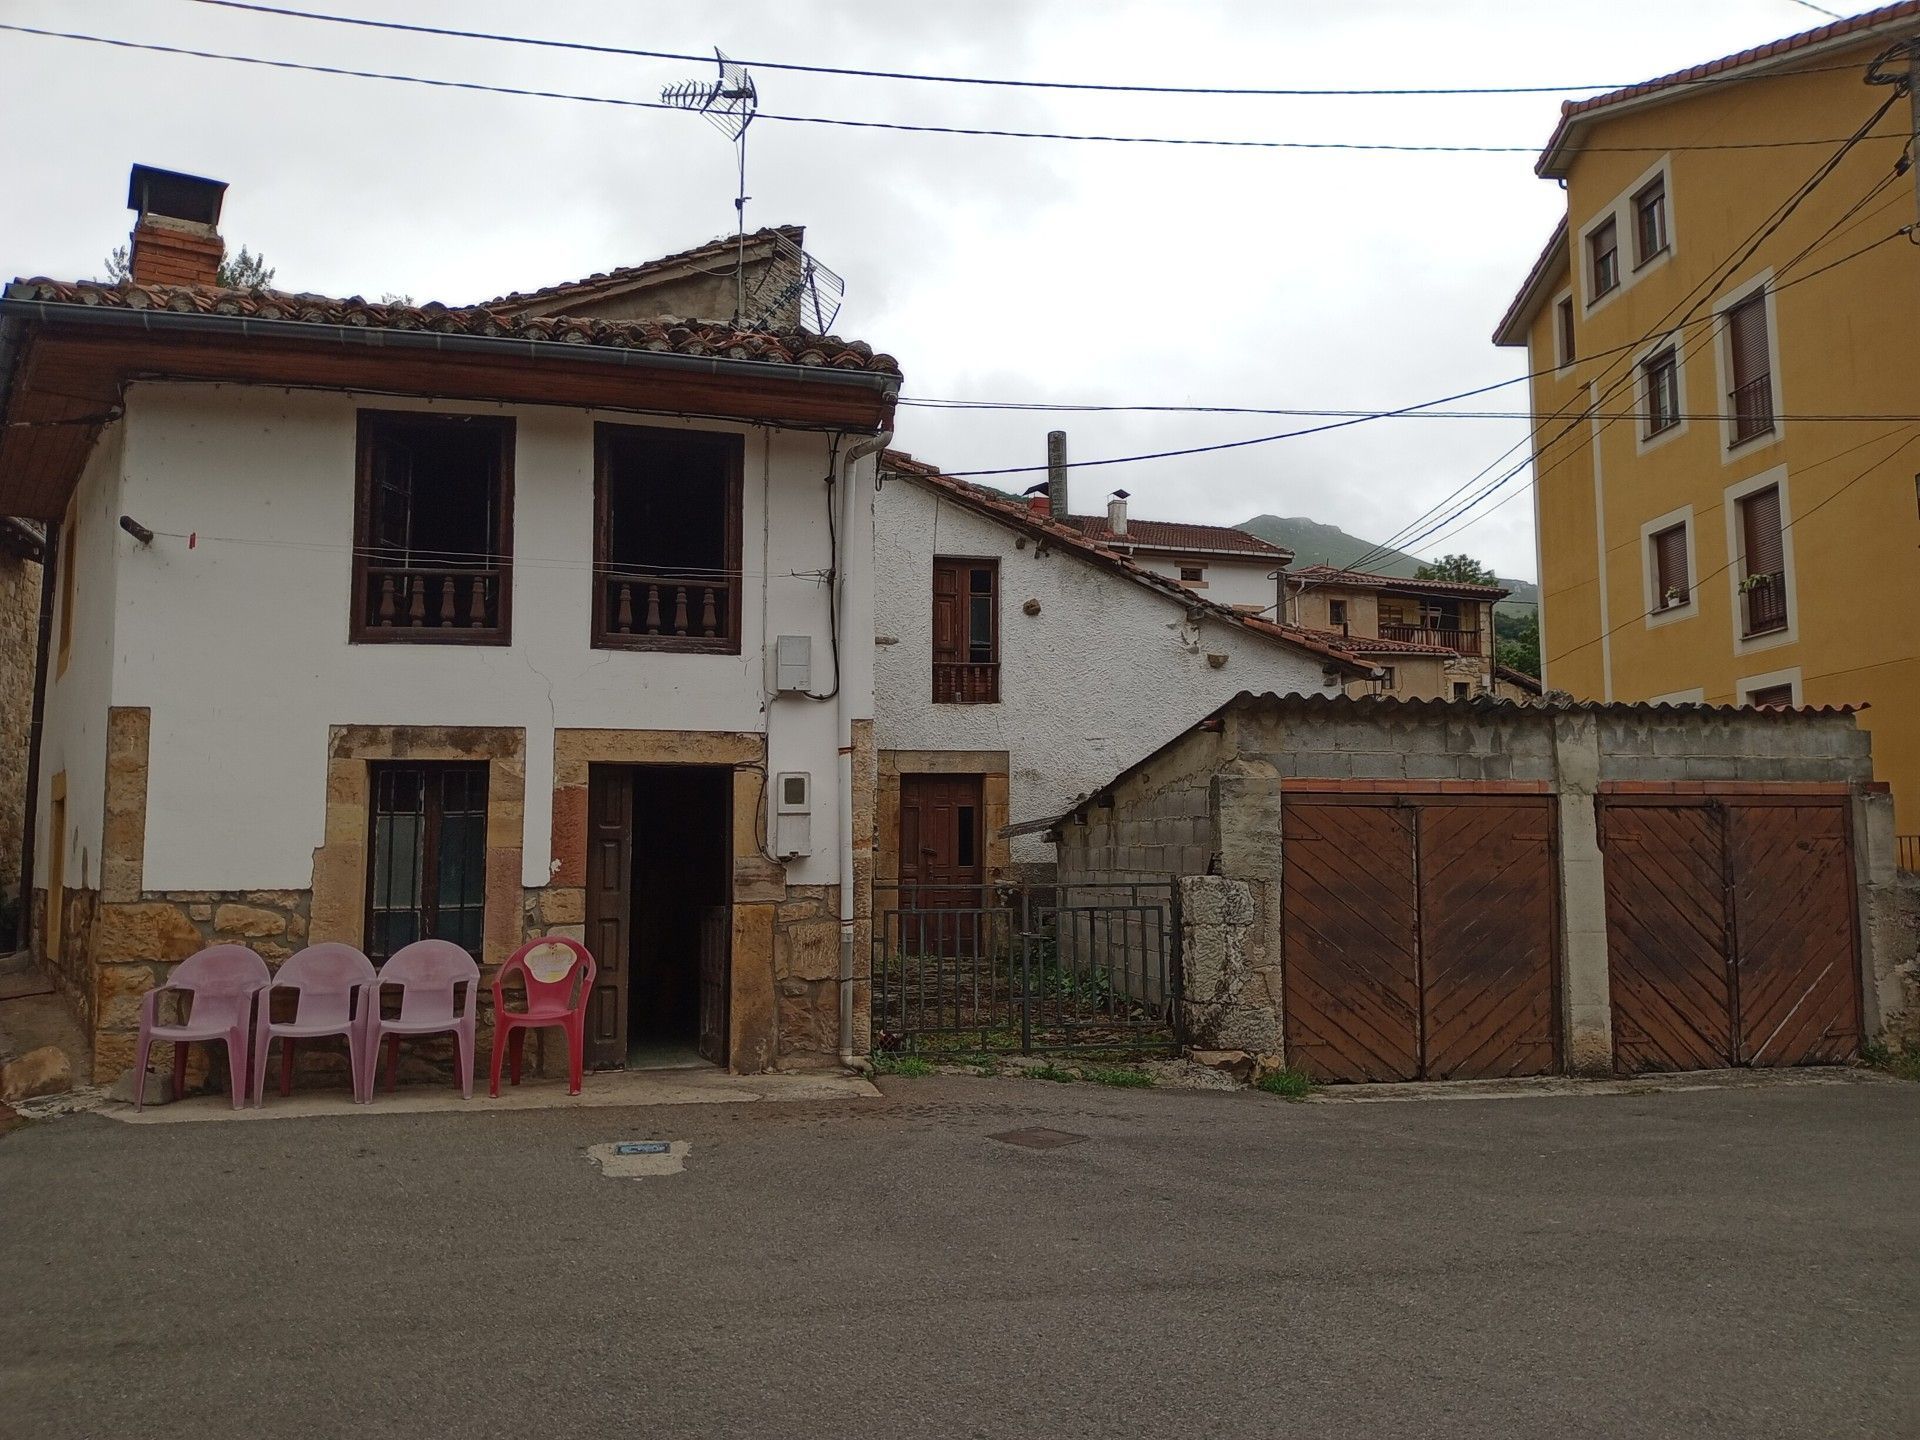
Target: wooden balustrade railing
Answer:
pixel 956 683
pixel 1466 642
pixel 402 597
pixel 640 606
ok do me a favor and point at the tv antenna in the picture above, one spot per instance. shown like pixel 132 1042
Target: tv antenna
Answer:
pixel 729 102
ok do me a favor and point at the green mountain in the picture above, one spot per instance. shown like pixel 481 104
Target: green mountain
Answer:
pixel 1315 544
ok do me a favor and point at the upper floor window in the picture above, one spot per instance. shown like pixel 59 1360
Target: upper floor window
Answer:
pixel 1671 585
pixel 1750 364
pixel 966 632
pixel 1603 249
pixel 433 528
pixel 1337 612
pixel 1191 574
pixel 1763 575
pixel 1563 313
pixel 1387 677
pixel 666 539
pixel 1650 221
pixel 1661 374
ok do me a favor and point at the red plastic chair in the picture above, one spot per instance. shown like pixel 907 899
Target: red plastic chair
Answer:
pixel 549 966
pixel 223 981
pixel 331 983
pixel 430 974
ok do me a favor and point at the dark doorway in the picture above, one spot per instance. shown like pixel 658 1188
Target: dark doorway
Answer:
pixel 658 879
pixel 941 861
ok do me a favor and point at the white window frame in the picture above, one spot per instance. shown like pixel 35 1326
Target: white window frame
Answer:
pixel 1649 576
pixel 1643 398
pixel 1730 449
pixel 1661 170
pixel 1736 555
pixel 1744 687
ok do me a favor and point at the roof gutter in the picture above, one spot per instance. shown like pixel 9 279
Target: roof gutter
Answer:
pixel 369 337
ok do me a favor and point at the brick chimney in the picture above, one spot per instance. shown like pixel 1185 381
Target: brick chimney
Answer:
pixel 175 236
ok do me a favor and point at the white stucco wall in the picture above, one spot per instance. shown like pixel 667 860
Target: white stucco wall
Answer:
pixel 1106 672
pixel 239 643
pixel 75 719
pixel 1227 582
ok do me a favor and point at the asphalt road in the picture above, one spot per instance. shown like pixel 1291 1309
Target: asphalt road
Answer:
pixel 1730 1263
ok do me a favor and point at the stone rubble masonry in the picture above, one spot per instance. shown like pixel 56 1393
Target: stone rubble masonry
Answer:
pixel 19 631
pixel 1232 1001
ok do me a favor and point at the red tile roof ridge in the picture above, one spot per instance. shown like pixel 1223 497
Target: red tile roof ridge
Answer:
pixel 1179 535
pixel 664 334
pixel 1322 574
pixel 625 274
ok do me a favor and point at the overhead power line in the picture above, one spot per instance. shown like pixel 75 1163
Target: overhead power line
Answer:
pixel 924 77
pixel 897 126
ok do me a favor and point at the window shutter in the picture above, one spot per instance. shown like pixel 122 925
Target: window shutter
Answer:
pixel 1747 340
pixel 1670 561
pixel 949 636
pixel 1760 527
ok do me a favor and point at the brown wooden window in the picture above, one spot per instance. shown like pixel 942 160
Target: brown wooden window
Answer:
pixel 427 856
pixel 966 632
pixel 1661 374
pixel 1671 585
pixel 1603 245
pixel 1650 222
pixel 1771 695
pixel 1565 313
pixel 1763 583
pixel 433 529
pixel 1337 613
pixel 666 545
pixel 1750 358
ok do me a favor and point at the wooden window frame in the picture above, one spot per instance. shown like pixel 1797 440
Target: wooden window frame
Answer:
pixel 604 634
pixel 1763 421
pixel 1610 227
pixel 1655 557
pixel 966 681
pixel 362 627
pixel 1564 323
pixel 1654 192
pixel 431 818
pixel 1660 375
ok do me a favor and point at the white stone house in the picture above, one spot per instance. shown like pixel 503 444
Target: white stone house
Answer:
pixel 1020 663
pixel 377 621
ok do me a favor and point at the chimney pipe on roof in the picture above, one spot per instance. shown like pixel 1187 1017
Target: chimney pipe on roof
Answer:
pixel 1117 512
pixel 175 237
pixel 1057 474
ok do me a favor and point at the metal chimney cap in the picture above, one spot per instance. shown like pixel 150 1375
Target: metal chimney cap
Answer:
pixel 1120 495
pixel 175 195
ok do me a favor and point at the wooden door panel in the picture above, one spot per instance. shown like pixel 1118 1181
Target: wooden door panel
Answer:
pixel 1798 974
pixel 609 912
pixel 942 842
pixel 716 948
pixel 1667 937
pixel 1350 914
pixel 1487 940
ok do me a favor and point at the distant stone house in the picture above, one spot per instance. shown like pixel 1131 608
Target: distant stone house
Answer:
pixel 1433 639
pixel 1022 658
pixel 379 621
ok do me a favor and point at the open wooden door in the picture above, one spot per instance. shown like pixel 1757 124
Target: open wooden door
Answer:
pixel 716 979
pixel 609 911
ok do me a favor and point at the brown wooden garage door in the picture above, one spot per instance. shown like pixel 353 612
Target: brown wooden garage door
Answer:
pixel 1730 932
pixel 1419 936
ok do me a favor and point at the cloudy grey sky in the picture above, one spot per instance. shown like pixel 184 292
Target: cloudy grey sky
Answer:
pixel 995 269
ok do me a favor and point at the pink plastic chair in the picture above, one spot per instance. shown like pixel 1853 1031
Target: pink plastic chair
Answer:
pixel 553 998
pixel 429 974
pixel 223 981
pixel 331 984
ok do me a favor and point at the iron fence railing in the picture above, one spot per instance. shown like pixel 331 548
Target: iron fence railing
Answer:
pixel 1026 968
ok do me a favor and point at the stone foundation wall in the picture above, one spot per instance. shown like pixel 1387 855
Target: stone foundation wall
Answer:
pixel 19 631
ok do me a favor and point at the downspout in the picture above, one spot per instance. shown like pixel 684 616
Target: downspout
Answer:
pixel 36 725
pixel 843 727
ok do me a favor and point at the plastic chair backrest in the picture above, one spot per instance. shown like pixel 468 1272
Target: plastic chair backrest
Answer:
pixel 549 982
pixel 429 973
pixel 223 979
pixel 324 975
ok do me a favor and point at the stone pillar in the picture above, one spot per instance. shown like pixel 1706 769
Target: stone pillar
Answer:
pixel 1889 910
pixel 1586 999
pixel 1225 999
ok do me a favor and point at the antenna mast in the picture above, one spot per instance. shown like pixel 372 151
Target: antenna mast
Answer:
pixel 729 102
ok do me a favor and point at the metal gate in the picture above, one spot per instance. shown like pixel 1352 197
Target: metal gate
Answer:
pixel 1730 932
pixel 1026 968
pixel 1418 936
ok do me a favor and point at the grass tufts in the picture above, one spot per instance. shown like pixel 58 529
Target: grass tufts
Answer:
pixel 1122 1077
pixel 1287 1084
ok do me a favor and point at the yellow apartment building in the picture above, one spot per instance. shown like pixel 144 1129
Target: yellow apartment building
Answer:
pixel 1724 341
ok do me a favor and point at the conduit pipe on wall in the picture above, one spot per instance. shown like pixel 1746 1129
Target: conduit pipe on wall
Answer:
pixel 843 727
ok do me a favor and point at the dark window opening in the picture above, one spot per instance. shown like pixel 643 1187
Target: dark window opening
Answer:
pixel 667 540
pixel 1604 247
pixel 427 856
pixel 1462 690
pixel 1750 356
pixel 1650 221
pixel 1566 331
pixel 1662 376
pixel 1337 612
pixel 966 632
pixel 1191 573
pixel 1670 581
pixel 1386 677
pixel 964 822
pixel 433 532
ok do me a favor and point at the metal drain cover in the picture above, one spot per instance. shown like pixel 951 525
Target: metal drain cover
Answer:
pixel 1038 1138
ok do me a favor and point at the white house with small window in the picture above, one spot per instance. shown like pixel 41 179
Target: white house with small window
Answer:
pixel 378 622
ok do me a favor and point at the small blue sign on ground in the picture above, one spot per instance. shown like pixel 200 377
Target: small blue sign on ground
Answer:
pixel 642 1147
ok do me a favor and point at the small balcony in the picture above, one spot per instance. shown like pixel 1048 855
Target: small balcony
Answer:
pixel 1763 604
pixel 408 602
pixel 1752 405
pixel 652 611
pixel 957 683
pixel 1465 642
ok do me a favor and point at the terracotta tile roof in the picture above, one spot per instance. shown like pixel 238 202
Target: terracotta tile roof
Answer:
pixel 721 249
pixel 666 334
pixel 1526 304
pixel 1375 645
pixel 1855 29
pixel 1333 575
pixel 1518 678
pixel 1043 526
pixel 1176 536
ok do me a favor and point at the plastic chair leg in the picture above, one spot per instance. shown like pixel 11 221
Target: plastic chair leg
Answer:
pixel 238 1068
pixel 140 1073
pixel 463 1047
pixel 286 1065
pixel 493 1064
pixel 576 1058
pixel 179 1068
pixel 393 1063
pixel 516 1045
